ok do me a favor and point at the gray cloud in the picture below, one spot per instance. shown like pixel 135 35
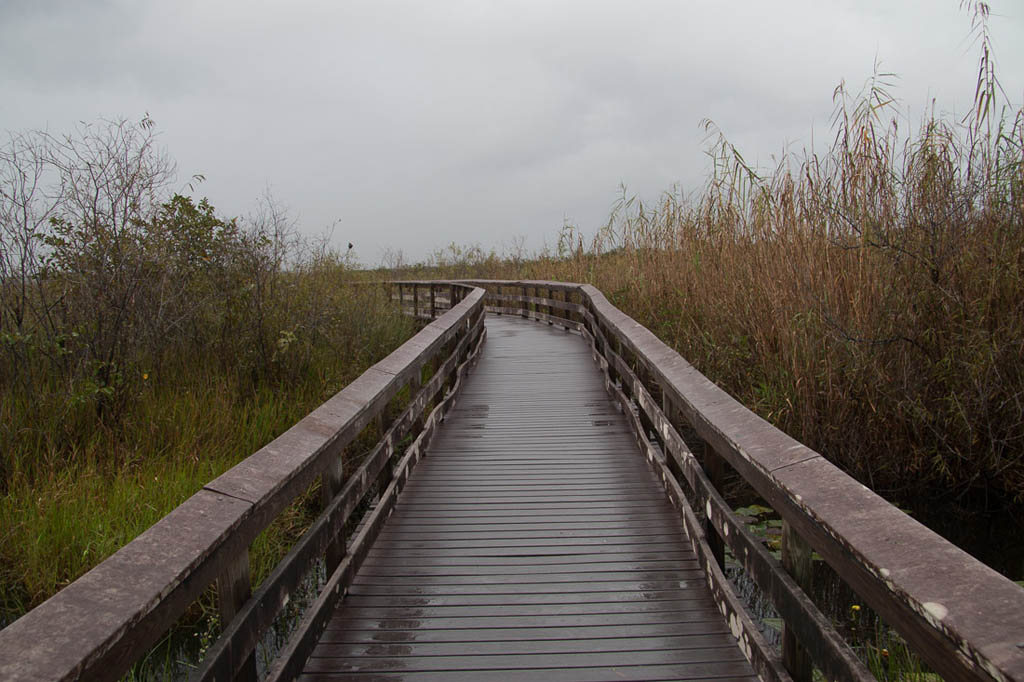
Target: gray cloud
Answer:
pixel 417 124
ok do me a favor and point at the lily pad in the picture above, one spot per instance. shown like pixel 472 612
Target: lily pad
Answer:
pixel 754 510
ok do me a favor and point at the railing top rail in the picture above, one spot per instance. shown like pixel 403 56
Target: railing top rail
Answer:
pixel 99 624
pixel 961 615
pixel 541 283
pixel 423 282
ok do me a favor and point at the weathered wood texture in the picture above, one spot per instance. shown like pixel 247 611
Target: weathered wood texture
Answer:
pixel 962 617
pixel 533 542
pixel 100 624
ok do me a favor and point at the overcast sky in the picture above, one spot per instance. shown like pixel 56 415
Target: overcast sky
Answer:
pixel 412 125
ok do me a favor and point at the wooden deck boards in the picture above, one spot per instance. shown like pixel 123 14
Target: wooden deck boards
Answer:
pixel 533 543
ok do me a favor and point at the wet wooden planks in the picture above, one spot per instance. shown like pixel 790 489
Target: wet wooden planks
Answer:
pixel 532 543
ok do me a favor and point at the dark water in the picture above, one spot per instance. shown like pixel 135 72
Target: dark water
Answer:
pixel 995 539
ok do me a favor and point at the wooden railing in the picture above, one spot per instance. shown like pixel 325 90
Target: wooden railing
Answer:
pixel 963 618
pixel 423 299
pixel 100 625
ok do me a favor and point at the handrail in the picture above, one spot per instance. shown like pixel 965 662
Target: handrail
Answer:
pixel 963 618
pixel 98 626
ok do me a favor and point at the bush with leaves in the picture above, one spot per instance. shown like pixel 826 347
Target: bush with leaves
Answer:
pixel 107 278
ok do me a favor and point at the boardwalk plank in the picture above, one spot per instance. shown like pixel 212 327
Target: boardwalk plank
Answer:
pixel 446 568
pixel 525 661
pixel 650 631
pixel 458 586
pixel 499 598
pixel 545 561
pixel 502 610
pixel 537 620
pixel 726 671
pixel 557 646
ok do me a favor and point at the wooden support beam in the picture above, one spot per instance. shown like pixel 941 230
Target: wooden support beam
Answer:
pixel 714 466
pixel 796 559
pixel 331 483
pixel 234 588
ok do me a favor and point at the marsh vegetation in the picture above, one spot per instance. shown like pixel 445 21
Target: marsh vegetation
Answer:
pixel 868 300
pixel 146 345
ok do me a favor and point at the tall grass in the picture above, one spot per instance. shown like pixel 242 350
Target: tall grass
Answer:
pixel 868 300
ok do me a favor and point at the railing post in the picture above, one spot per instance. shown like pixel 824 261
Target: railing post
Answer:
pixel 796 559
pixel 381 423
pixel 433 303
pixel 330 485
pixel 524 305
pixel 644 377
pixel 415 384
pixel 448 382
pixel 550 309
pixel 617 376
pixel 674 417
pixel 386 473
pixel 234 587
pixel 714 467
pixel 415 301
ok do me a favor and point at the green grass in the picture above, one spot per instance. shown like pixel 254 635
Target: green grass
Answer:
pixel 78 489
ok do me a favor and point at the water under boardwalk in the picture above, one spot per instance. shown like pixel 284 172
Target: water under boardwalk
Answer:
pixel 532 543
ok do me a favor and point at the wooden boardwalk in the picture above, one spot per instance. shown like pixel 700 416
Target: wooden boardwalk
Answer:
pixel 532 543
